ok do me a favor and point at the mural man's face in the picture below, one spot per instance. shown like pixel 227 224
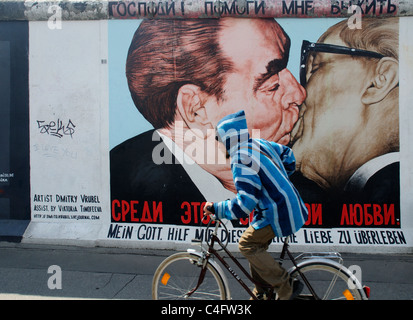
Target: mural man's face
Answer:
pixel 260 84
pixel 331 119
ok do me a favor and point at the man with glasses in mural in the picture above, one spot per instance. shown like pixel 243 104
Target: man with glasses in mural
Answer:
pixel 184 76
pixel 347 137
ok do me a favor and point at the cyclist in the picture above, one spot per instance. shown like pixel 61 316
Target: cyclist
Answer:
pixel 261 171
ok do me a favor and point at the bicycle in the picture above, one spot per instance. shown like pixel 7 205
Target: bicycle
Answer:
pixel 196 275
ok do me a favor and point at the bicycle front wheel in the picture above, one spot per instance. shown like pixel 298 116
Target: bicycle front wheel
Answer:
pixel 329 281
pixel 178 274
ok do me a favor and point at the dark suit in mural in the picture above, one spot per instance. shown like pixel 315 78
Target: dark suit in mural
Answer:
pixel 137 181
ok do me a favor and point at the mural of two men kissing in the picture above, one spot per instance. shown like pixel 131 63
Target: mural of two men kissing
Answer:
pixel 341 117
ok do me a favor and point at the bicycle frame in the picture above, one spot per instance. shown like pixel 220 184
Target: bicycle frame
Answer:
pixel 212 251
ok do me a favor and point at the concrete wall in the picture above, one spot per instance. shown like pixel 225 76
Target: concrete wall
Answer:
pixel 68 60
pixel 97 10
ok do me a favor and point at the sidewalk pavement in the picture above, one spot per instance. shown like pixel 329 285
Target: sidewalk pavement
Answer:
pixel 28 271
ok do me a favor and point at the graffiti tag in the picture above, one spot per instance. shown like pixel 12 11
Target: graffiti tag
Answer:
pixel 57 128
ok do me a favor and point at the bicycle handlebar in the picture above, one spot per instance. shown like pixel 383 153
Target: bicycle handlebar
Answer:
pixel 212 209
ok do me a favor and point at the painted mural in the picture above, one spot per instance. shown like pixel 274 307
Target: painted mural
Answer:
pixel 326 88
pixel 117 112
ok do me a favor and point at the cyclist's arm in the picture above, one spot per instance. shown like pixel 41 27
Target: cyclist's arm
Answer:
pixel 248 185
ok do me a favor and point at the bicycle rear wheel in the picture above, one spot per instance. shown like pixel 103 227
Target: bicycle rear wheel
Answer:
pixel 178 274
pixel 329 281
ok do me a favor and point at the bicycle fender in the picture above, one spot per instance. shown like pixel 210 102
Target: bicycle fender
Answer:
pixel 217 267
pixel 335 264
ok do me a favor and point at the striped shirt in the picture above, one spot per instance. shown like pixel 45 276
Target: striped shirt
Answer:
pixel 261 171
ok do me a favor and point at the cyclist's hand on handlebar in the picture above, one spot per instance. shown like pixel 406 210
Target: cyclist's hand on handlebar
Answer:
pixel 209 209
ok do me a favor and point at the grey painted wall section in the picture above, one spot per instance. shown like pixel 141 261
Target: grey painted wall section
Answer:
pixel 101 10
